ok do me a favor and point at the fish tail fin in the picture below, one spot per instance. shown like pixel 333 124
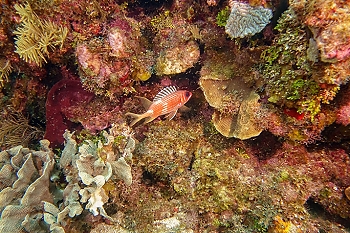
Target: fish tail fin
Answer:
pixel 137 117
pixel 149 119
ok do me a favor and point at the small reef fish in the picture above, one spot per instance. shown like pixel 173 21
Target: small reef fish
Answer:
pixel 167 101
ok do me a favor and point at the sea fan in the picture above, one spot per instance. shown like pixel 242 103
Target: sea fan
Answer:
pixel 16 130
pixel 35 36
pixel 5 70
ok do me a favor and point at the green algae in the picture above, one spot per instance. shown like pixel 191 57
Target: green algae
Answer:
pixel 287 70
pixel 222 17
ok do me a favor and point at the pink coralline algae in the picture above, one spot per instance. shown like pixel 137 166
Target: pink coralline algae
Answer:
pixel 343 111
pixel 109 64
pixel 329 22
pixel 343 115
pixel 98 74
pixel 64 94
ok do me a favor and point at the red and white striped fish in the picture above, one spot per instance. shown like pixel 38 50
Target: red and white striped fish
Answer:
pixel 167 101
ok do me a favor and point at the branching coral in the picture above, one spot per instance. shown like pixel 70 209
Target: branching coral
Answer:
pixel 35 37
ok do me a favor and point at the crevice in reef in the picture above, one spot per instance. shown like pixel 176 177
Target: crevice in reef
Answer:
pixel 265 145
pixel 150 6
pixel 318 212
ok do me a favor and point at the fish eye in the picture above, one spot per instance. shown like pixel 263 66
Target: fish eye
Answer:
pixel 187 94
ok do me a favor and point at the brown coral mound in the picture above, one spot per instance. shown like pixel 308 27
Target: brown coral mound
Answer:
pixel 230 94
pixel 243 125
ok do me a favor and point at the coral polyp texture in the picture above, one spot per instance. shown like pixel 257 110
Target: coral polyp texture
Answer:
pixel 245 20
pixel 261 147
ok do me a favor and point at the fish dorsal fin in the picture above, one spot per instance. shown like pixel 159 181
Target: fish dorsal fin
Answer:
pixel 166 91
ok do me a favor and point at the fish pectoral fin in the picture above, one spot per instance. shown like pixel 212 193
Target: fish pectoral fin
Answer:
pixel 171 115
pixel 146 103
pixel 184 109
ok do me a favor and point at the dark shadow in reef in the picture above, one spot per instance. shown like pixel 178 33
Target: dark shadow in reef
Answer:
pixel 335 136
pixel 149 6
pixel 150 179
pixel 318 212
pixel 265 145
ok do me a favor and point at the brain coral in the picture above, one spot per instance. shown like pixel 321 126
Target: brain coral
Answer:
pixel 246 20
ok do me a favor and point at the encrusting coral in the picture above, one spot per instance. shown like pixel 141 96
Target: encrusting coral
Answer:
pixel 227 89
pixel 244 125
pixel 35 37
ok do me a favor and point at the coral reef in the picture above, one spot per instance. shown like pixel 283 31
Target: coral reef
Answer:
pixel 264 147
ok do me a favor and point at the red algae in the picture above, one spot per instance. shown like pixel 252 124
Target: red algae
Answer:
pixel 62 95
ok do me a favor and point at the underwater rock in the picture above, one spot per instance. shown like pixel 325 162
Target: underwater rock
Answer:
pixel 246 20
pixel 107 228
pixel 329 23
pixel 101 73
pixel 177 59
pixel 174 44
pixel 343 110
pixel 125 57
pixel 168 148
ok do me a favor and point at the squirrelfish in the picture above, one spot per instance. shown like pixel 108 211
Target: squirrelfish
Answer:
pixel 167 101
